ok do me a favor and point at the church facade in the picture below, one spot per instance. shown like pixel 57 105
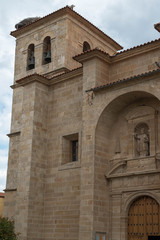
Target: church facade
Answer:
pixel 84 153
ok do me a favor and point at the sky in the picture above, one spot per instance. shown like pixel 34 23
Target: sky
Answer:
pixel 129 22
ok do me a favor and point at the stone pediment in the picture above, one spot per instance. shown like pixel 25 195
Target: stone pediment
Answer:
pixel 117 169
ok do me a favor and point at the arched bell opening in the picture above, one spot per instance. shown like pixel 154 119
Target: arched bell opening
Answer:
pixel 31 57
pixel 46 50
pixel 86 46
pixel 144 219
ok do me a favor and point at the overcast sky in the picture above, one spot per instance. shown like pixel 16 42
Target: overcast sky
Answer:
pixel 129 22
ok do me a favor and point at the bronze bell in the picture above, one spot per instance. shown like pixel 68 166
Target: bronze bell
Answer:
pixel 31 63
pixel 48 57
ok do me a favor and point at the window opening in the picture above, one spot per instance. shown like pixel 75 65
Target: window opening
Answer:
pixel 86 46
pixel 47 50
pixel 31 58
pixel 70 148
pixel 74 150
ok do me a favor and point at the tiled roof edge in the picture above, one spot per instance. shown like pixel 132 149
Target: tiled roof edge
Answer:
pixel 31 75
pixel 124 80
pixel 132 48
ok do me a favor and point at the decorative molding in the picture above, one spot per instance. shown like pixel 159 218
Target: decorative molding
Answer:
pixel 118 165
pixel 48 82
pixel 138 173
pixel 134 190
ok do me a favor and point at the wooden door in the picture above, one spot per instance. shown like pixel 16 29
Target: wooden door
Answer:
pixel 143 219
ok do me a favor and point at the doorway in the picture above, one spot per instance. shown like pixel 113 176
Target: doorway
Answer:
pixel 144 219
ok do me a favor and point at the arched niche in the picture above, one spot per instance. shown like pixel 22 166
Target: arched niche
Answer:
pixel 114 137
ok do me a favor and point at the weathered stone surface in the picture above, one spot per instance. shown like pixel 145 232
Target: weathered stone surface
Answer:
pixel 49 196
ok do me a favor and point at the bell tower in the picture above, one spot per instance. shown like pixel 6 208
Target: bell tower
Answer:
pixel 47 45
pixel 46 110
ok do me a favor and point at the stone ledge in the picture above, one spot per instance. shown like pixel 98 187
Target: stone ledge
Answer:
pixel 10 190
pixel 70 165
pixel 13 134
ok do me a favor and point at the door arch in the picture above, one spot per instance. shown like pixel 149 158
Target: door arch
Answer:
pixel 143 219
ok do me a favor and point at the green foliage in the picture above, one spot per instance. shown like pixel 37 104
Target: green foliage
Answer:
pixel 7 229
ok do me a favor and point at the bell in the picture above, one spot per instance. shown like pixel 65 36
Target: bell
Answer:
pixel 48 57
pixel 31 62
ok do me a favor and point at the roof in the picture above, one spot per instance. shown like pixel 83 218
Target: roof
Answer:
pixel 61 12
pixel 138 46
pixel 1 195
pixel 124 80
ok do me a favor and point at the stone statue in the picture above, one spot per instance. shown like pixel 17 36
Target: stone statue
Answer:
pixel 142 143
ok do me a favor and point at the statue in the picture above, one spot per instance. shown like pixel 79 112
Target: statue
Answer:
pixel 142 143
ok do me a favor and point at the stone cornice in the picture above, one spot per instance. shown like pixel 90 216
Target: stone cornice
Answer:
pixel 30 79
pixel 13 134
pixel 67 76
pixel 95 53
pixel 33 78
pixel 10 190
pixel 48 82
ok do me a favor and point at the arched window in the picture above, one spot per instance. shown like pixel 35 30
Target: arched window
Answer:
pixel 31 58
pixel 142 141
pixel 86 46
pixel 46 50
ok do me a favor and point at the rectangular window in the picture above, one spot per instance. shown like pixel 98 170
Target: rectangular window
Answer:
pixel 70 151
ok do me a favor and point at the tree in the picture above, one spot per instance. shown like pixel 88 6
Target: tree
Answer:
pixel 7 231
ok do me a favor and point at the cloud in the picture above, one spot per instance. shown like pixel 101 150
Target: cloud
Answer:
pixel 130 22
